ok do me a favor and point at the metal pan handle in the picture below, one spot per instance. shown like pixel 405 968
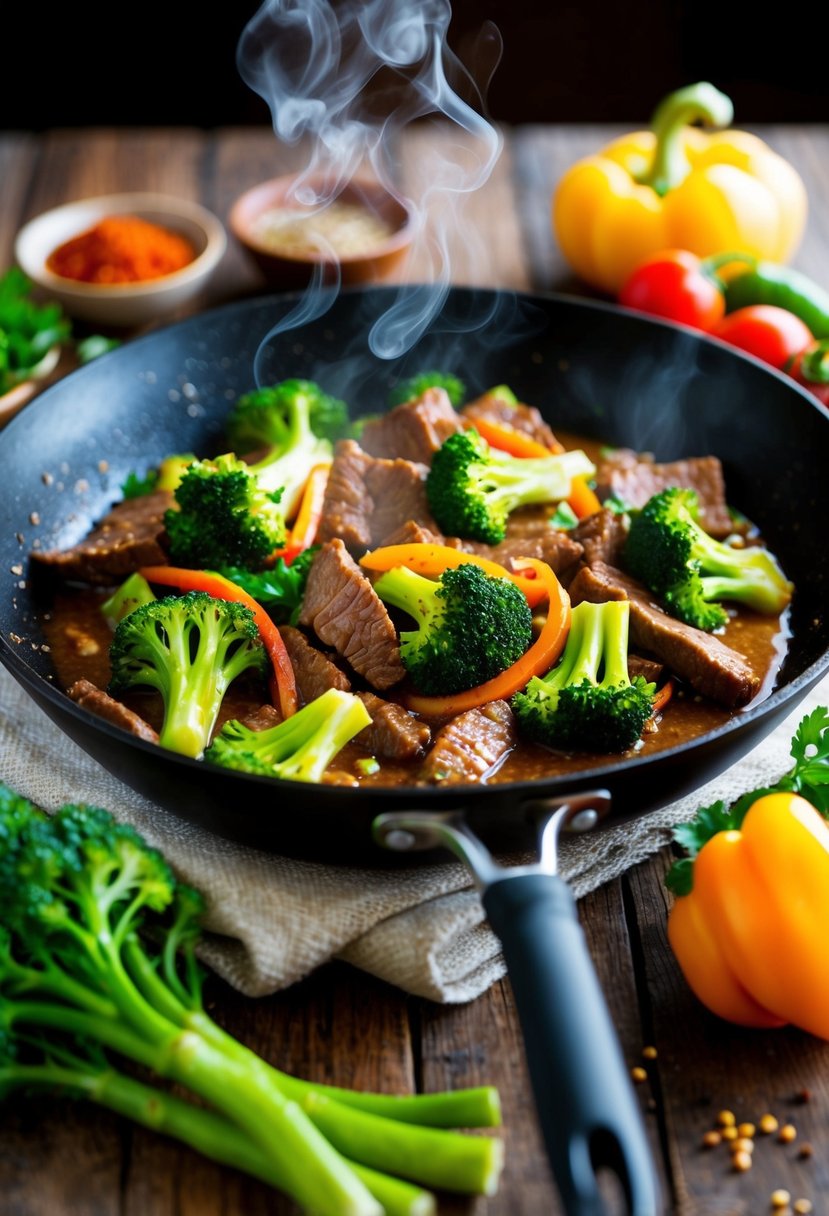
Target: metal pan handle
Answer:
pixel 586 1106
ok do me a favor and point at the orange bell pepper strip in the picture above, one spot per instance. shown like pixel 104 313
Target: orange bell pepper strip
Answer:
pixel 432 560
pixel 308 516
pixel 583 501
pixel 537 661
pixel 750 934
pixel 282 681
pixel 508 439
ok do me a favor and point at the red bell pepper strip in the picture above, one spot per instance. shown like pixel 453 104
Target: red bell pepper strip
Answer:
pixel 432 560
pixel 536 662
pixel 282 681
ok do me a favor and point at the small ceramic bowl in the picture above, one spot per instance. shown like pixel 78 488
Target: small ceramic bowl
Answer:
pixel 122 305
pixel 267 221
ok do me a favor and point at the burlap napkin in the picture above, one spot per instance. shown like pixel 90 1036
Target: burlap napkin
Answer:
pixel 273 920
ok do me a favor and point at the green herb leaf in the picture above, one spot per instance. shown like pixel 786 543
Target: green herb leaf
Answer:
pixel 136 486
pixel 280 589
pixel 28 331
pixel 680 877
pixel 564 517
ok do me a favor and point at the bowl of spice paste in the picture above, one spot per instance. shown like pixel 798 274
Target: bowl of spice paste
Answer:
pixel 122 260
pixel 296 226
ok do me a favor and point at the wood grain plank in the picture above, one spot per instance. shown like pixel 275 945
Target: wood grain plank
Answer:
pixel 705 1065
pixel 18 157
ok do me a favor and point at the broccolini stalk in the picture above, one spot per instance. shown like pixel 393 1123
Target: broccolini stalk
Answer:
pixel 188 648
pixel 298 749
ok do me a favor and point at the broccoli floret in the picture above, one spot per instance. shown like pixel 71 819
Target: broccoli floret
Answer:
pixel 471 626
pixel 223 517
pixel 188 648
pixel 588 701
pixel 280 588
pixel 415 386
pixel 472 488
pixel 670 553
pixel 295 424
pixel 298 749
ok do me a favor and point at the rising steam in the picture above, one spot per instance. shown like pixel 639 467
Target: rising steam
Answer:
pixel 344 77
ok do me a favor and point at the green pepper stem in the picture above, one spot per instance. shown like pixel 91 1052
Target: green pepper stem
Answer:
pixel 695 103
pixel 814 365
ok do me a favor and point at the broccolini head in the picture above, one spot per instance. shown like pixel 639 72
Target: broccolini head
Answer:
pixel 471 626
pixel 272 417
pixel 298 749
pixel 473 488
pixel 588 701
pixel 71 877
pixel 415 386
pixel 691 572
pixel 223 517
pixel 189 649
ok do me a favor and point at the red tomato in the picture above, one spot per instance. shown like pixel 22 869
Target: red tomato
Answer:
pixel 675 284
pixel 769 333
pixel 810 368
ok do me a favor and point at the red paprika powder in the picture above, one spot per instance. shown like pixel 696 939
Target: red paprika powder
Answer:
pixel 121 249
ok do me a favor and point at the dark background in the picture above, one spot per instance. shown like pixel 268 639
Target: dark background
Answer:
pixel 174 62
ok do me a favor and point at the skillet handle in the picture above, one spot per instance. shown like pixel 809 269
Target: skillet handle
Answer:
pixel 589 1116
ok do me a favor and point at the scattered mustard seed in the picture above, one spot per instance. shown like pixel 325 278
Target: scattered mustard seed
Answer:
pixel 805 1151
pixel 726 1118
pixel 746 1130
pixel 802 1206
pixel 743 1145
pixel 638 1075
pixel 729 1133
pixel 648 1053
pixel 787 1133
pixel 768 1124
pixel 741 1162
pixel 712 1139
pixel 780 1198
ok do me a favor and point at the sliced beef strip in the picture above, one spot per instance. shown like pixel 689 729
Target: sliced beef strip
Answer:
pixel 345 612
pixel 367 497
pixel 524 418
pixel 89 696
pixel 636 478
pixel 468 747
pixel 314 672
pixel 651 671
pixel 262 718
pixel 413 431
pixel 547 544
pixel 602 536
pixel 412 533
pixel 129 536
pixel 711 668
pixel 393 731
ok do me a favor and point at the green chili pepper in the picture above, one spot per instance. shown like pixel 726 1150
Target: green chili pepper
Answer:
pixel 770 283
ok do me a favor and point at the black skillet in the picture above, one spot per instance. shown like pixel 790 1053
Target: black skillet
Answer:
pixel 593 369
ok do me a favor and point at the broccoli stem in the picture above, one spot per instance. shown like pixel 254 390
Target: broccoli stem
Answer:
pixel 412 593
pixel 430 1156
pixel 473 1107
pixel 203 1130
pixel 534 479
pixel 311 1169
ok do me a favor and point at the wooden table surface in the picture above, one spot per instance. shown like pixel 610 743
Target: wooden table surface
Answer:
pixel 340 1026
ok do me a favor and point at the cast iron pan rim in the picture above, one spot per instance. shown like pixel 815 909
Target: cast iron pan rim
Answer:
pixel 529 788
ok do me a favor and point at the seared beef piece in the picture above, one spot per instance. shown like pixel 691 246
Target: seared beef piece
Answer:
pixel 524 418
pixel 602 535
pixel 545 543
pixel 636 478
pixel 468 747
pixel 344 611
pixel 262 718
pixel 649 669
pixel 413 431
pixel 393 731
pixel 128 537
pixel 314 672
pixel 89 696
pixel 707 664
pixel 367 497
pixel 412 533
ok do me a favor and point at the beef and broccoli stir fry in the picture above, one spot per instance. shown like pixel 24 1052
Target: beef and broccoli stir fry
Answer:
pixel 444 592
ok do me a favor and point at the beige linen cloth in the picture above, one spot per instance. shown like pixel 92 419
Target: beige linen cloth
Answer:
pixel 272 920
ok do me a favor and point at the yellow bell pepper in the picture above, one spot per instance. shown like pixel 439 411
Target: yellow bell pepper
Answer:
pixel 677 186
pixel 750 936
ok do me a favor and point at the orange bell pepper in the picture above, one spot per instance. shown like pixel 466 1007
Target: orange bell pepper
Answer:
pixel 750 934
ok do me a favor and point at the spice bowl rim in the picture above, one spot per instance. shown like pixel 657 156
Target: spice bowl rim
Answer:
pixel 254 201
pixel 40 235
